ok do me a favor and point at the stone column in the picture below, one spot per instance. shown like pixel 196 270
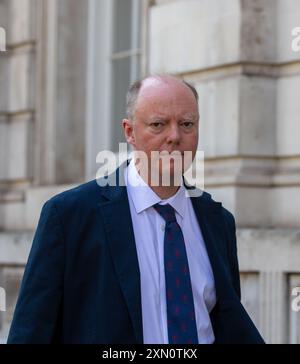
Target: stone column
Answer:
pixel 17 107
pixel 273 307
pixel 61 98
pixel 17 75
pixel 269 261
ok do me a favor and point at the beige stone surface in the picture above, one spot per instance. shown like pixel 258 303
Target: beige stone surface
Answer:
pixel 189 35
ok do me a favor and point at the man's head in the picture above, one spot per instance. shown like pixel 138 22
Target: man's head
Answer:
pixel 162 116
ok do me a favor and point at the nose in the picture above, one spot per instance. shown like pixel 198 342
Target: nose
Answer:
pixel 173 136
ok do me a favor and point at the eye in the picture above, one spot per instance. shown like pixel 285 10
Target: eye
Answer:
pixel 188 124
pixel 156 124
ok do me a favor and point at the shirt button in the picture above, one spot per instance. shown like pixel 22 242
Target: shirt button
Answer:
pixel 163 227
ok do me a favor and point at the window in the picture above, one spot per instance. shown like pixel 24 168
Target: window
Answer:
pixel 116 39
pixel 125 59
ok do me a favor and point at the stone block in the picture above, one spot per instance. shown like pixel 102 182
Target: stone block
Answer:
pixel 35 199
pixel 237 116
pixel 257 116
pixel 250 294
pixel 22 21
pixel 13 216
pixel 219 116
pixel 190 35
pixel 269 250
pixel 14 248
pixel 285 206
pixel 288 111
pixel 16 150
pixel 258 29
pixel 21 80
pixel 4 82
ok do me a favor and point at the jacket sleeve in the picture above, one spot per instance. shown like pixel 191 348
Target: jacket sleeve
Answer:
pixel 36 314
pixel 232 252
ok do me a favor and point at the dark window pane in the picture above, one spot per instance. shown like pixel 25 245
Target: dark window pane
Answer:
pixel 122 25
pixel 121 82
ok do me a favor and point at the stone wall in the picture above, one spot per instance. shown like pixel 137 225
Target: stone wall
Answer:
pixel 42 122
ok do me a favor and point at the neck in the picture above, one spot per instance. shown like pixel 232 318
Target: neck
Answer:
pixel 161 190
pixel 165 192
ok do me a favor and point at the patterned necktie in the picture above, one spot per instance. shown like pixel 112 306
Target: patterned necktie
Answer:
pixel 182 327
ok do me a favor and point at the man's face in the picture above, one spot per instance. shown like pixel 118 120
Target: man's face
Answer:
pixel 166 119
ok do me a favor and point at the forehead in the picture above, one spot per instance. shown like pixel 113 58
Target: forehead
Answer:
pixel 165 99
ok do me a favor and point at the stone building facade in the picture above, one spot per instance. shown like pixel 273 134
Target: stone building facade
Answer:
pixel 63 81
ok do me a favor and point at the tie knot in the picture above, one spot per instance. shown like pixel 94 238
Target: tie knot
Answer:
pixel 167 212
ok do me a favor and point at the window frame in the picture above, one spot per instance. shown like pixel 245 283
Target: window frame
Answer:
pixel 99 130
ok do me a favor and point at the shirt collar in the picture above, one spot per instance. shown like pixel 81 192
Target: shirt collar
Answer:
pixel 144 197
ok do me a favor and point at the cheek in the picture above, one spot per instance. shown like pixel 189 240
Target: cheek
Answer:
pixel 148 141
pixel 142 140
pixel 191 141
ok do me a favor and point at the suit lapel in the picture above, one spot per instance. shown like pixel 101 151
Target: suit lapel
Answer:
pixel 118 225
pixel 209 216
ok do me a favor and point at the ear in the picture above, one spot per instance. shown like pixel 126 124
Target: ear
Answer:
pixel 128 131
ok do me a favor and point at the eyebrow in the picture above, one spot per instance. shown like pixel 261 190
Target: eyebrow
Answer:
pixel 190 116
pixel 193 117
pixel 157 118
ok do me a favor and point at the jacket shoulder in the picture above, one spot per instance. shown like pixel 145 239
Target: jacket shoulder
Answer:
pixel 77 197
pixel 207 199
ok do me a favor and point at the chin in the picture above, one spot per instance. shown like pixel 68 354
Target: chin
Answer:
pixel 172 172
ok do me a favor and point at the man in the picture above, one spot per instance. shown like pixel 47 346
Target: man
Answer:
pixel 140 262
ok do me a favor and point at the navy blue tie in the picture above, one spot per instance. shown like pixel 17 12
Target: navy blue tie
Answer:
pixel 182 328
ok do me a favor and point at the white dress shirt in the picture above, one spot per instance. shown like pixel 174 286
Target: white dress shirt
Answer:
pixel 148 228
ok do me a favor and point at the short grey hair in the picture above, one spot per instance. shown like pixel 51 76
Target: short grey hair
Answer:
pixel 133 93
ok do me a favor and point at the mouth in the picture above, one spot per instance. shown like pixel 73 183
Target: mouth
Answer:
pixel 176 152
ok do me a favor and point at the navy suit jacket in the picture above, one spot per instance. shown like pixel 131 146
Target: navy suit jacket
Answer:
pixel 82 281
